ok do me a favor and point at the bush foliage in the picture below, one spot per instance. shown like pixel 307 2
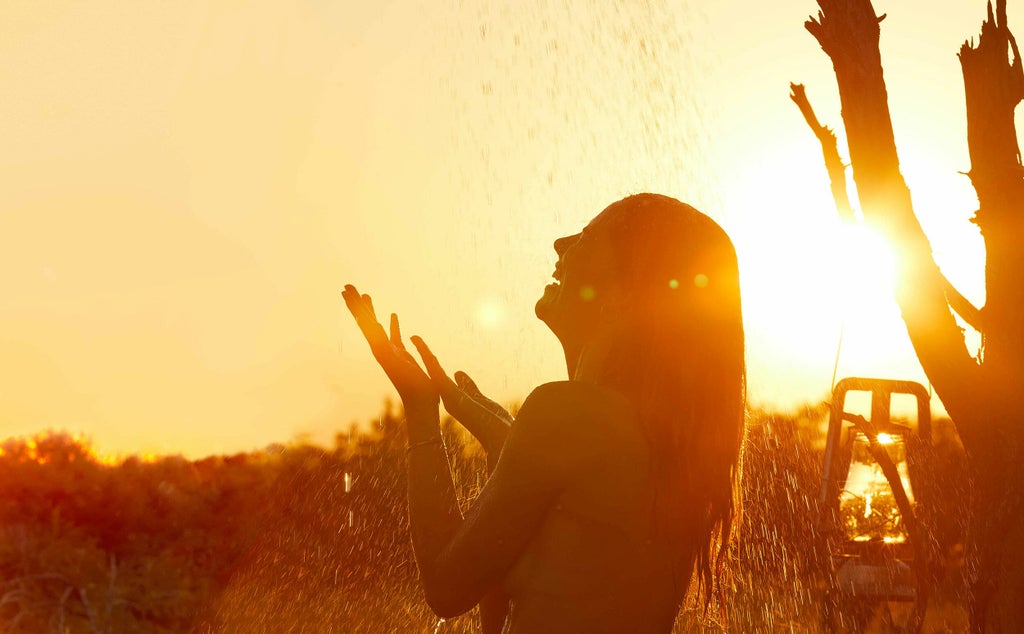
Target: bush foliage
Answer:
pixel 302 538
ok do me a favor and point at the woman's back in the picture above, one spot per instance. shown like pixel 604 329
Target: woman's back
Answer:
pixel 596 563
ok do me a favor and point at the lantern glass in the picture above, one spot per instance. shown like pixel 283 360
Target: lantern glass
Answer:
pixel 867 506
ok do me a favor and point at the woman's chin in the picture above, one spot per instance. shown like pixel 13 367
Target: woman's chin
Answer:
pixel 547 300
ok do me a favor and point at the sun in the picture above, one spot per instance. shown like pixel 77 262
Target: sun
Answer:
pixel 818 291
pixel 815 289
pixel 490 313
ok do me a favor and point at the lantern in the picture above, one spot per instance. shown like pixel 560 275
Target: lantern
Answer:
pixel 867 497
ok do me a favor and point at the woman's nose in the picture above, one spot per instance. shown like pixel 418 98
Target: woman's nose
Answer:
pixel 562 244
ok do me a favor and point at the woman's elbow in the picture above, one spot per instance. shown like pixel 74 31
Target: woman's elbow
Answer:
pixel 446 601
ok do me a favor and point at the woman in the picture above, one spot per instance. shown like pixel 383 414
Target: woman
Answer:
pixel 615 486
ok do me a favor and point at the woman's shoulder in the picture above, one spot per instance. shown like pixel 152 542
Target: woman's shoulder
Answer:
pixel 573 427
pixel 578 393
pixel 570 408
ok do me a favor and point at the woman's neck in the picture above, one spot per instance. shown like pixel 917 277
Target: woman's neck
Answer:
pixel 591 361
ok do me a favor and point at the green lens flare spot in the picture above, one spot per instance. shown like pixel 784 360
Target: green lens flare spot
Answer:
pixel 587 293
pixel 673 284
pixel 700 280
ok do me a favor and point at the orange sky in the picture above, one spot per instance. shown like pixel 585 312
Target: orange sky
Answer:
pixel 186 189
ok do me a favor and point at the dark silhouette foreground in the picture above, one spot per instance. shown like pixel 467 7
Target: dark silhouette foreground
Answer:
pixel 981 394
pixel 613 487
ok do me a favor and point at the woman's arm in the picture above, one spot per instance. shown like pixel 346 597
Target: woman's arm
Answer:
pixel 460 560
pixel 489 423
pixel 434 514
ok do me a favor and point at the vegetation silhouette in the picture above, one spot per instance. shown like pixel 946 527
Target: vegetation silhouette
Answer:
pixel 981 395
pixel 308 539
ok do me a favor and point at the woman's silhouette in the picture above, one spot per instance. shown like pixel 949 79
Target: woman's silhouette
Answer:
pixel 615 486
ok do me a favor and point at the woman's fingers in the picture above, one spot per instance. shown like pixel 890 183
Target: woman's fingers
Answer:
pixel 396 333
pixel 357 305
pixel 468 386
pixel 485 419
pixel 412 383
pixel 429 360
pixel 434 369
pixel 361 307
pixel 470 408
pixel 352 300
pixel 369 306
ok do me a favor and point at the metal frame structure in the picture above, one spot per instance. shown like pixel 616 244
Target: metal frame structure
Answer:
pixel 867 573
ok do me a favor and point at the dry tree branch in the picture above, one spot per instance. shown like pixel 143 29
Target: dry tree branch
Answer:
pixel 837 180
pixel 830 150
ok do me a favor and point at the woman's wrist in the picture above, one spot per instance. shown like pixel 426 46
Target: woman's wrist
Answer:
pixel 423 421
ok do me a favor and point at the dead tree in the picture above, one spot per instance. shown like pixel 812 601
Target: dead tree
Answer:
pixel 982 396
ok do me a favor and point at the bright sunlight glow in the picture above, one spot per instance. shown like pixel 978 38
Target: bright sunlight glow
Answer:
pixel 490 313
pixel 816 281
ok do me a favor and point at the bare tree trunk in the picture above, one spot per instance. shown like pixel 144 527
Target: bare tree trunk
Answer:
pixel 981 398
pixel 993 86
pixel 848 31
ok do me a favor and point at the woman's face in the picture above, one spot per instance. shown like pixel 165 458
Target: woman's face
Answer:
pixel 585 280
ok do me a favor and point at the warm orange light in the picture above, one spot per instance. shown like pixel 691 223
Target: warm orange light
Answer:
pixel 117 458
pixel 48 447
pixel 811 280
pixel 867 504
pixel 490 313
pixel 808 287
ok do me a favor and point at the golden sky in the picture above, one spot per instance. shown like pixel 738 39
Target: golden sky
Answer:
pixel 188 185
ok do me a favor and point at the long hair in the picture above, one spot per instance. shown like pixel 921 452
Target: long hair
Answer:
pixel 681 359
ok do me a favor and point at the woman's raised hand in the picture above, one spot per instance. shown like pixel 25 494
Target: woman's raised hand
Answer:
pixel 413 385
pixel 484 418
